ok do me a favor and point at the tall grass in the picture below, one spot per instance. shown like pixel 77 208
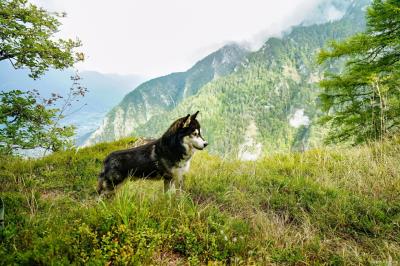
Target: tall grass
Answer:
pixel 325 206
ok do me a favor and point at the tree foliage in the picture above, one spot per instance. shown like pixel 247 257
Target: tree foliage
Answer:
pixel 25 123
pixel 29 121
pixel 363 101
pixel 27 38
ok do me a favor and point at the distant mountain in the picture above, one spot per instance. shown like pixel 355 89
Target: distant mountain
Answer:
pixel 163 94
pixel 105 91
pixel 266 103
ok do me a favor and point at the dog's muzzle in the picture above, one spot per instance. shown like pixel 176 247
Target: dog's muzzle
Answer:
pixel 205 144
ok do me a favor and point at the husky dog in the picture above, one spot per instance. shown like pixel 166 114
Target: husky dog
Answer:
pixel 167 157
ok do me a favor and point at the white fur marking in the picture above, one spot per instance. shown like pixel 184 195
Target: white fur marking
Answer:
pixel 194 140
pixel 178 172
pixel 181 169
pixel 153 152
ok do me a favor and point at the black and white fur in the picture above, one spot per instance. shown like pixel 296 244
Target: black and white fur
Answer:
pixel 167 157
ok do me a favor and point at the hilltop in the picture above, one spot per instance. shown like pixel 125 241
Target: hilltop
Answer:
pixel 329 206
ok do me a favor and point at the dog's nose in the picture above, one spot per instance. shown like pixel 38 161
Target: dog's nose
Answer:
pixel 205 144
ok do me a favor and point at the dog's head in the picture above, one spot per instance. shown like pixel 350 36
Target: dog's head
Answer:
pixel 190 131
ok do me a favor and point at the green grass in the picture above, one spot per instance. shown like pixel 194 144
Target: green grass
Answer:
pixel 326 206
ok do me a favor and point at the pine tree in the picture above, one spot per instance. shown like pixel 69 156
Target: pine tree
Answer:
pixel 362 102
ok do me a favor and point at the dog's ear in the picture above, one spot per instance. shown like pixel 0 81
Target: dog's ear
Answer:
pixel 185 121
pixel 194 115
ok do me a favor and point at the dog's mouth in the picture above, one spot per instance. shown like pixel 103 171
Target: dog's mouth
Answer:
pixel 197 148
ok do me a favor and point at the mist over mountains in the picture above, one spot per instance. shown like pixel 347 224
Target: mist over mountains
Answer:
pixel 253 98
pixel 260 100
pixel 105 91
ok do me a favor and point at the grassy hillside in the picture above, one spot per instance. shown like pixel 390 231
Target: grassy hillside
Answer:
pixel 322 206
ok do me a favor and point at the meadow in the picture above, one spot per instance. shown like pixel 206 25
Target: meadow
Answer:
pixel 333 206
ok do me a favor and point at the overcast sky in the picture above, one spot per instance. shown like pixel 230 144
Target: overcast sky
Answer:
pixel 157 37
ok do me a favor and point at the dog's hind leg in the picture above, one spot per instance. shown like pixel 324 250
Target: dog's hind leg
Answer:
pixel 105 188
pixel 100 185
pixel 104 185
pixel 101 182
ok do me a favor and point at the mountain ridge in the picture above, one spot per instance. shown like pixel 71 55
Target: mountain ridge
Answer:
pixel 267 90
pixel 164 93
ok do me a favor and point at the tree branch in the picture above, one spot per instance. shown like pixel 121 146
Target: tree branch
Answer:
pixel 5 56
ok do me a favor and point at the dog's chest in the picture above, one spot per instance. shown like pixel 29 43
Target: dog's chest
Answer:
pixel 181 168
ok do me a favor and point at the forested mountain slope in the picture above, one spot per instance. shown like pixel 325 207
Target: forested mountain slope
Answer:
pixel 165 93
pixel 269 104
pixel 264 101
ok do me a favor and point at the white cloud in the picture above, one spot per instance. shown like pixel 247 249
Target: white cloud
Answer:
pixel 155 37
pixel 299 119
pixel 250 149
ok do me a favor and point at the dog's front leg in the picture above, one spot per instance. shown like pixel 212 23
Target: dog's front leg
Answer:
pixel 180 182
pixel 174 184
pixel 168 183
